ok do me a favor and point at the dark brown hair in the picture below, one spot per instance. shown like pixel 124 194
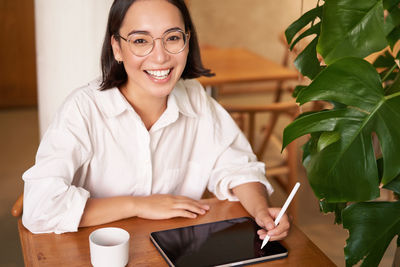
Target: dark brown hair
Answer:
pixel 114 74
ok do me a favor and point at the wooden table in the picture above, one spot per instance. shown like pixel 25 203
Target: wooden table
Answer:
pixel 238 65
pixel 72 249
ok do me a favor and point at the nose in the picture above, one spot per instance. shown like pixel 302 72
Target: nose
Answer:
pixel 159 52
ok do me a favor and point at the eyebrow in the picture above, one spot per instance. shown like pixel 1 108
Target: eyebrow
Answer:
pixel 146 32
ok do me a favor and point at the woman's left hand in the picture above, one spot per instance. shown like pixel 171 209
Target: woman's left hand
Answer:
pixel 265 219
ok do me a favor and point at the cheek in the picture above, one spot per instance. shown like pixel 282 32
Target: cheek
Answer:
pixel 132 63
pixel 183 59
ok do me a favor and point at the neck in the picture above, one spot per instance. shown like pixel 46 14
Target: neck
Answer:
pixel 148 108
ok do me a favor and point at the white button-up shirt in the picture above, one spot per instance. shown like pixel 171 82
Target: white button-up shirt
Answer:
pixel 97 146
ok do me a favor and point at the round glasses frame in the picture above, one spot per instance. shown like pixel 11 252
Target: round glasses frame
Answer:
pixel 186 36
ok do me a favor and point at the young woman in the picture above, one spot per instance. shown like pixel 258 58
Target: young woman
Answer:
pixel 146 140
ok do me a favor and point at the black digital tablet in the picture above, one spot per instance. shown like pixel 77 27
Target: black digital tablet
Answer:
pixel 231 242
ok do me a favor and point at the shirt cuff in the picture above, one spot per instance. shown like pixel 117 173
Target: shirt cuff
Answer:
pixel 72 218
pixel 223 189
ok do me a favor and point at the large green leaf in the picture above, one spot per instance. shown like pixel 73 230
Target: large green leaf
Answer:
pixel 337 208
pixel 371 225
pixel 299 24
pixel 345 169
pixel 393 37
pixel 392 25
pixel 351 28
pixel 307 61
pixel 385 60
pixel 325 120
pixel 392 19
pixel 395 86
pixel 394 185
pixel 315 29
pixel 388 4
pixel 390 74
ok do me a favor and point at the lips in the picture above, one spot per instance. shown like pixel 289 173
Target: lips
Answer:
pixel 158 74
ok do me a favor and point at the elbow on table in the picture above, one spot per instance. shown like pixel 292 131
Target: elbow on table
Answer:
pixel 39 219
pixel 35 224
pixel 45 212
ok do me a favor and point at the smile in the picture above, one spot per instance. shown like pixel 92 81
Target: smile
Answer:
pixel 158 74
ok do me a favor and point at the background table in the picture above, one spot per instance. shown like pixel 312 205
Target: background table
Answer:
pixel 238 65
pixel 72 249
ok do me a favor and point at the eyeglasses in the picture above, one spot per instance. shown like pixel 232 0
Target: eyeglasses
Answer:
pixel 141 44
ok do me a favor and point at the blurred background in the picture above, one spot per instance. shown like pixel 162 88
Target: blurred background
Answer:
pixel 49 48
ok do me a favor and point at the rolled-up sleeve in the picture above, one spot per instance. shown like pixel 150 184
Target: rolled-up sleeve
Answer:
pixel 51 202
pixel 236 164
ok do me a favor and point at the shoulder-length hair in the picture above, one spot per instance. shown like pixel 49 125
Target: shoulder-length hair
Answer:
pixel 114 74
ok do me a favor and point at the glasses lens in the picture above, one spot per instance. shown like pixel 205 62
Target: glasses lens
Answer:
pixel 140 44
pixel 174 41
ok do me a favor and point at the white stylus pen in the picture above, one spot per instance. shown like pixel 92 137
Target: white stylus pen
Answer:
pixel 283 210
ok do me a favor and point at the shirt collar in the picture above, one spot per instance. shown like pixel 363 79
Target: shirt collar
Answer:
pixel 114 103
pixel 180 98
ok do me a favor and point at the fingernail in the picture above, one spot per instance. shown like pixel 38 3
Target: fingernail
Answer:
pixel 270 226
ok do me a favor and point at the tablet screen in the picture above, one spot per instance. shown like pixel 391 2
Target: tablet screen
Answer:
pixel 230 242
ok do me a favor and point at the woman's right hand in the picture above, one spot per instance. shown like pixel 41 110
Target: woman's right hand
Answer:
pixel 168 206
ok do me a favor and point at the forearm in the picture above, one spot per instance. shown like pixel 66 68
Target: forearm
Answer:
pixel 104 210
pixel 99 211
pixel 253 196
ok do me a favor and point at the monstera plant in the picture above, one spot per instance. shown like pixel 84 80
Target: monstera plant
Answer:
pixel 354 145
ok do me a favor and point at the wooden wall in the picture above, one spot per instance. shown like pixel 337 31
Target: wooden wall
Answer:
pixel 17 54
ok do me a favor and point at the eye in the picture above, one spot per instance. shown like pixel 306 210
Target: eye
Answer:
pixel 174 38
pixel 139 41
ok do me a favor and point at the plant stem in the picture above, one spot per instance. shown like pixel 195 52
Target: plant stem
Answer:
pixel 389 72
pixel 392 95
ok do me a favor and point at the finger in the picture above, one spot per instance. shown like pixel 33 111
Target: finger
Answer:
pixel 203 204
pixel 279 237
pixel 189 207
pixel 276 233
pixel 193 202
pixel 184 213
pixel 279 229
pixel 266 222
pixel 273 237
pixel 274 212
pixel 200 204
pixel 262 236
pixel 262 232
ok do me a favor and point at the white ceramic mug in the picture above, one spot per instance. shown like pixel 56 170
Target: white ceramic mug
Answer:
pixel 109 247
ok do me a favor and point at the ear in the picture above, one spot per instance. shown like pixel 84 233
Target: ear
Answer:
pixel 116 47
pixel 188 36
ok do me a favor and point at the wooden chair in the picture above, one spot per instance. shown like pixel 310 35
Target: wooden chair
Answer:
pixel 16 209
pixel 285 171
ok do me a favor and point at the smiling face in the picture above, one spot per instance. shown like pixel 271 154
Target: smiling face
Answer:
pixel 155 74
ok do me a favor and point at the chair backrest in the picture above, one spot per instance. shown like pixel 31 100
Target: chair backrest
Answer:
pixel 16 209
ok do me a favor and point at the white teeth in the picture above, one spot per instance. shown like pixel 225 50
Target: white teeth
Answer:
pixel 159 74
